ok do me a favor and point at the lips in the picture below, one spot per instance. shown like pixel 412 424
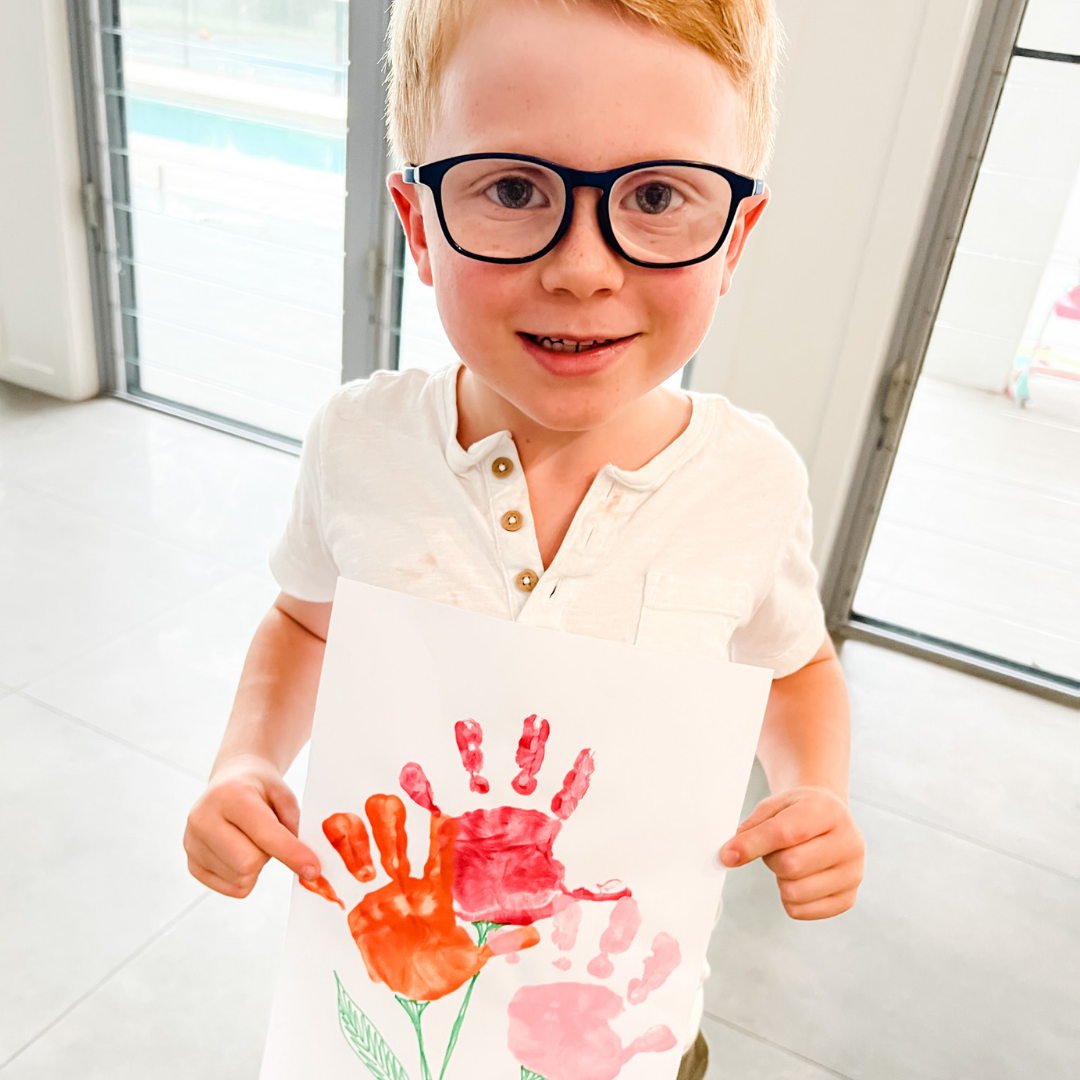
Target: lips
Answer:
pixel 565 355
pixel 569 344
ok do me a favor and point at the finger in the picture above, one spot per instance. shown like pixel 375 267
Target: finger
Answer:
pixel 818 886
pixel 256 820
pixel 230 854
pixel 512 939
pixel 283 803
pixel 764 810
pixel 825 908
pixel 790 826
pixel 212 881
pixel 349 838
pixel 387 816
pixel 820 853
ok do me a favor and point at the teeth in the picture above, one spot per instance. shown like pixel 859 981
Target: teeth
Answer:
pixel 559 345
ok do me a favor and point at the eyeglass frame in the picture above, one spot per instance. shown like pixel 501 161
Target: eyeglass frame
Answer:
pixel 431 176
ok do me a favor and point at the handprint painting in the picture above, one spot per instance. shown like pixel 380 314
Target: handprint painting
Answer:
pixel 495 868
pixel 518 833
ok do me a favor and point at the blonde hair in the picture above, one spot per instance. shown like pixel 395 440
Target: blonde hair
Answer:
pixel 741 35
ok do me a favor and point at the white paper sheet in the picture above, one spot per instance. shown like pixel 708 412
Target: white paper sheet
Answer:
pixel 572 987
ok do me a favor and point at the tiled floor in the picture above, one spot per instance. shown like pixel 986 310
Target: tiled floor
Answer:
pixel 131 581
pixel 979 533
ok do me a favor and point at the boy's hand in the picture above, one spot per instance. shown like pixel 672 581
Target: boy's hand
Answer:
pixel 806 836
pixel 246 816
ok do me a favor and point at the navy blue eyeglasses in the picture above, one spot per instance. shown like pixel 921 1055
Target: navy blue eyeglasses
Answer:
pixel 512 208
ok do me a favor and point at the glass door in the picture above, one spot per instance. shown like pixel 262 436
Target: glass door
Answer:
pixel 976 549
pixel 226 130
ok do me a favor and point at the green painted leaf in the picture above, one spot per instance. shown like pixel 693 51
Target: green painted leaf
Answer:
pixel 364 1038
pixel 526 1074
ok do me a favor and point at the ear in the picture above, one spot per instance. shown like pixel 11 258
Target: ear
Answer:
pixel 748 216
pixel 407 203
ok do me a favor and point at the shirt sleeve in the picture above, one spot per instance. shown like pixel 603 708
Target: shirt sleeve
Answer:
pixel 301 560
pixel 788 626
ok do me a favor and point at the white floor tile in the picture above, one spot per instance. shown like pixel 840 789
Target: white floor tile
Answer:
pixel 92 862
pixel 196 1003
pixel 998 633
pixel 736 1056
pixel 965 754
pixel 168 686
pixel 71 579
pixel 969 573
pixel 199 489
pixel 1016 519
pixel 989 435
pixel 956 962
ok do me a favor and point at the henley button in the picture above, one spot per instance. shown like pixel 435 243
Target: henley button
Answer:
pixel 512 521
pixel 526 581
pixel 502 467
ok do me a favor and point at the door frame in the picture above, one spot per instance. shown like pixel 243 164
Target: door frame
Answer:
pixel 992 48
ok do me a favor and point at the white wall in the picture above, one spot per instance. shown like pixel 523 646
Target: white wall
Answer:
pixel 46 324
pixel 866 95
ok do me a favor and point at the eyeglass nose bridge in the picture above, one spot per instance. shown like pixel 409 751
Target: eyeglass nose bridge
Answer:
pixel 598 182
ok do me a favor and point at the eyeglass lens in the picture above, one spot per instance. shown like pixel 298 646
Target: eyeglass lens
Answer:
pixel 505 209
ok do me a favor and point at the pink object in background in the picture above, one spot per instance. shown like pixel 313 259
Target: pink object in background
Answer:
pixel 1068 307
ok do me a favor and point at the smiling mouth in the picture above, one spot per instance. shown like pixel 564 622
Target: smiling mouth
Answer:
pixel 569 345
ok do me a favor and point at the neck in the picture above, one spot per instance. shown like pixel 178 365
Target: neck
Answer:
pixel 628 440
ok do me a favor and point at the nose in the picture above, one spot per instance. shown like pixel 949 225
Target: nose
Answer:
pixel 581 263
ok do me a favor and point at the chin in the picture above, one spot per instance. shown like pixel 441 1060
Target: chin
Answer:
pixel 572 410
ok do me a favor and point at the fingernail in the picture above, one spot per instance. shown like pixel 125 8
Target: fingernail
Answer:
pixel 309 873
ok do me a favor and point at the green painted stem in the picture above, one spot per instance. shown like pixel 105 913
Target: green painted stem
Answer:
pixel 482 931
pixel 415 1009
pixel 456 1030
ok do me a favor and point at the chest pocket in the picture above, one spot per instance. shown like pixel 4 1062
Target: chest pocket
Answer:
pixel 692 613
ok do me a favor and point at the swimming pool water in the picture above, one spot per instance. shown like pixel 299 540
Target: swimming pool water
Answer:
pixel 266 139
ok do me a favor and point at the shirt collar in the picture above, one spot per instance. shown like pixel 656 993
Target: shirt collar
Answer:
pixel 650 476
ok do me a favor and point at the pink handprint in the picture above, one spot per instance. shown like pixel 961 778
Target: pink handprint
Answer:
pixel 504 868
pixel 562 1030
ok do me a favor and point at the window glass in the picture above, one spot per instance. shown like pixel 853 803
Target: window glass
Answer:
pixel 227 158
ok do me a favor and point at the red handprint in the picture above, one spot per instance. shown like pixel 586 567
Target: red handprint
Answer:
pixel 504 869
pixel 406 931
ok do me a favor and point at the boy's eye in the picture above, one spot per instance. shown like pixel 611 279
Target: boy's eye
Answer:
pixel 653 198
pixel 656 197
pixel 513 192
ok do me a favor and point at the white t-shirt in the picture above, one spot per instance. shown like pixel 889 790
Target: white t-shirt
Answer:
pixel 706 549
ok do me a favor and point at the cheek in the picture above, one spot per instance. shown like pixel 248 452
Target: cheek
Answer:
pixel 684 300
pixel 472 294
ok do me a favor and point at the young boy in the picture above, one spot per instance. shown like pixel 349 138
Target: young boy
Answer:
pixel 552 478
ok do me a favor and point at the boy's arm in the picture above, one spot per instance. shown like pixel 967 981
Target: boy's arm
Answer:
pixel 804 832
pixel 248 814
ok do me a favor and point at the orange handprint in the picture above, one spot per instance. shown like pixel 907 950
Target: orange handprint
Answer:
pixel 406 931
